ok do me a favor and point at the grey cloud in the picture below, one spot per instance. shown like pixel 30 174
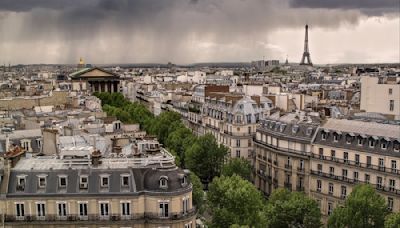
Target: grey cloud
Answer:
pixel 368 7
pixel 158 30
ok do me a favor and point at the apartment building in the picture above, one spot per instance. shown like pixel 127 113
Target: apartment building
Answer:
pixel 283 150
pixel 382 95
pixel 80 188
pixel 233 118
pixel 348 152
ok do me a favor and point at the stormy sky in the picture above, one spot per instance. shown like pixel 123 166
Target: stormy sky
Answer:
pixel 192 31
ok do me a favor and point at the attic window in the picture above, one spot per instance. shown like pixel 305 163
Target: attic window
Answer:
pixel 104 181
pixel 184 181
pixel 21 183
pixel 335 137
pixel 295 128
pixel 83 182
pixel 396 146
pixel 371 143
pixel 323 135
pixel 163 182
pixel 360 141
pixel 384 144
pixel 349 139
pixel 125 180
pixel 62 181
pixel 282 127
pixel 42 181
pixel 309 131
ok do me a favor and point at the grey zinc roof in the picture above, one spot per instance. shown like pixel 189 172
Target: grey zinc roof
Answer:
pixel 362 127
pixel 141 180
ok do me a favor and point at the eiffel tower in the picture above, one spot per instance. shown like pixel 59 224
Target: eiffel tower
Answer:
pixel 306 53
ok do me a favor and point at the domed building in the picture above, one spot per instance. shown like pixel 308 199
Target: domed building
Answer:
pixel 233 118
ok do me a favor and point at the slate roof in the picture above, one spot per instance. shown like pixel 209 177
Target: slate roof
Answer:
pixel 141 180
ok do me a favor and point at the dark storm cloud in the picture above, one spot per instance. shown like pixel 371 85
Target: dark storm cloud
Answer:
pixel 162 30
pixel 368 7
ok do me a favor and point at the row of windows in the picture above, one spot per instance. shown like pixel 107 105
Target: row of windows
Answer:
pixel 84 181
pixel 62 209
pixel 63 181
pixel 330 205
pixel 104 209
pixel 381 161
pixel 367 177
pixel 372 141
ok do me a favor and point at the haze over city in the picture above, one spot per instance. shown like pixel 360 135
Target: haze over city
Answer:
pixel 192 31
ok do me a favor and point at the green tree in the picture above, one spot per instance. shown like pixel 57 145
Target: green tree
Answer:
pixel 179 141
pixel 292 209
pixel 205 157
pixel 392 220
pixel 197 193
pixel 233 200
pixel 239 166
pixel 363 208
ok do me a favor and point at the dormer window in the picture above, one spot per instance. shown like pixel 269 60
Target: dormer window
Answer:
pixel 396 146
pixel 83 182
pixel 163 182
pixel 282 127
pixel 295 128
pixel 309 131
pixel 62 181
pixel 323 135
pixel 42 181
pixel 383 144
pixel 21 180
pixel 184 180
pixel 371 143
pixel 125 180
pixel 349 138
pixel 335 137
pixel 360 141
pixel 104 181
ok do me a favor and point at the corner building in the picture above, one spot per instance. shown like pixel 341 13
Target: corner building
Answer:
pixel 79 189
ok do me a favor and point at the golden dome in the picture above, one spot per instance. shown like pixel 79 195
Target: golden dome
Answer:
pixel 81 62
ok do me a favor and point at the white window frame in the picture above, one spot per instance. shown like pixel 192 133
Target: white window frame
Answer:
pixel 163 182
pixel 60 215
pixel 21 179
pixel 59 181
pixel 40 210
pixel 107 176
pixel 162 211
pixel 20 210
pixel 105 216
pixel 126 207
pixel 122 180
pixel 82 184
pixel 45 181
pixel 185 205
pixel 83 216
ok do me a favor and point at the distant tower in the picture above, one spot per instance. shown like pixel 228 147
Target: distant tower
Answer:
pixel 306 53
pixel 287 60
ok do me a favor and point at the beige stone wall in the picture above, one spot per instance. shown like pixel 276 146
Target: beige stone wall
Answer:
pixel 57 98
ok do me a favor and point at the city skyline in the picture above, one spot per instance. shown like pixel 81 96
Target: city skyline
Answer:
pixel 184 31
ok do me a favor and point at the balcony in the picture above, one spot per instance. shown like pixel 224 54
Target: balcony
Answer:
pixel 288 166
pixel 240 134
pixel 357 164
pixel 378 187
pixel 281 149
pixel 75 218
pixel 301 169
